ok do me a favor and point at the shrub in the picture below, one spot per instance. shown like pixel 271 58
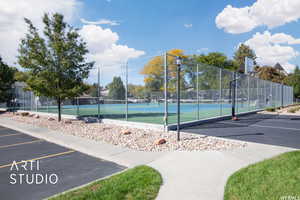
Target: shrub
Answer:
pixel 270 109
pixel 293 110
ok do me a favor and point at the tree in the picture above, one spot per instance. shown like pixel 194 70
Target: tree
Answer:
pixel 208 66
pixel 116 89
pixel 56 64
pixel 216 59
pixel 294 81
pixel 6 81
pixel 154 72
pixel 270 74
pixel 93 90
pixel 21 76
pixel 242 52
pixel 137 91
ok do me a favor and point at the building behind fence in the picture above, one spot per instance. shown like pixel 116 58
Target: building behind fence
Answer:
pixel 206 94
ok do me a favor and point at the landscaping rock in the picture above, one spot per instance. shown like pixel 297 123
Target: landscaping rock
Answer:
pixel 37 116
pixel 88 120
pixel 161 141
pixel 68 121
pixel 125 132
pixel 51 119
pixel 139 139
pixel 24 114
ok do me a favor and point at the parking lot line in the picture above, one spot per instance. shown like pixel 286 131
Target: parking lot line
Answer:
pixel 277 127
pixel 17 144
pixel 39 158
pixel 11 135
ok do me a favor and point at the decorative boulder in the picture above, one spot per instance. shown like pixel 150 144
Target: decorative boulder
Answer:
pixel 161 141
pixel 24 114
pixel 88 120
pixel 51 119
pixel 125 132
pixel 37 116
pixel 68 121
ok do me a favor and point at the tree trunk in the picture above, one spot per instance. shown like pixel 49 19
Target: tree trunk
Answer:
pixel 59 108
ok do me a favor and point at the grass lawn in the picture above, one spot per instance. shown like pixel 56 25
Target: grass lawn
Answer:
pixel 269 179
pixel 139 183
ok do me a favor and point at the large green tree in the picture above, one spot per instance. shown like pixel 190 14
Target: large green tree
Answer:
pixel 293 80
pixel 56 63
pixel 6 81
pixel 209 72
pixel 116 89
pixel 242 52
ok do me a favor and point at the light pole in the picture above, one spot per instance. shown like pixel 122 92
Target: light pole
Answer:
pixel 178 63
pixel 99 94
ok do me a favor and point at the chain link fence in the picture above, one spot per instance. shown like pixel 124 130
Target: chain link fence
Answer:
pixel 205 93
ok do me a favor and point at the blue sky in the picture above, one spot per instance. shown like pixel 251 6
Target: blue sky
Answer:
pixel 155 26
pixel 159 25
pixel 135 30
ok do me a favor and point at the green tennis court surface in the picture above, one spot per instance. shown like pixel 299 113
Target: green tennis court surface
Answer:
pixel 152 112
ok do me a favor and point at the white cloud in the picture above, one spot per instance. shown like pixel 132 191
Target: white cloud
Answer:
pixel 104 49
pixel 13 27
pixel 188 25
pixel 271 13
pixel 101 22
pixel 271 49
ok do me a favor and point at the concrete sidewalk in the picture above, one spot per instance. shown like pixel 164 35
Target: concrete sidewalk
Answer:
pixel 203 175
pixel 186 175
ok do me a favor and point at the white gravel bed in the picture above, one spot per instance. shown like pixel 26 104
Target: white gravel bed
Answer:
pixel 138 139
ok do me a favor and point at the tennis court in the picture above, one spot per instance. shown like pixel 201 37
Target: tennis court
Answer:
pixel 151 112
pixel 207 93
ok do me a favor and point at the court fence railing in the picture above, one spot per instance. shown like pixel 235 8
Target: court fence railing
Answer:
pixel 205 93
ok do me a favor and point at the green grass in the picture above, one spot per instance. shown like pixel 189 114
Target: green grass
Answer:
pixel 270 179
pixel 139 183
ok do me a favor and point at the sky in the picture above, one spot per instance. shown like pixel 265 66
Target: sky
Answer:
pixel 133 31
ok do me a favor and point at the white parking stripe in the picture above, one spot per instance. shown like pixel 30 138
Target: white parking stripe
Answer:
pixel 276 127
pixel 294 129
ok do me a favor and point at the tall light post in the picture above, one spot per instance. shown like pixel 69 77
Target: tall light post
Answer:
pixel 178 63
pixel 99 93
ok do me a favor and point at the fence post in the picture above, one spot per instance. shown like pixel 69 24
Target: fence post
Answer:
pixel 47 105
pixel 166 90
pixel 281 95
pixel 77 105
pixel 126 93
pixel 98 94
pixel 198 98
pixel 248 85
pixel 220 91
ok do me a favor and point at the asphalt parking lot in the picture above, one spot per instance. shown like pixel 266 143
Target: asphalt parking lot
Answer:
pixel 50 169
pixel 275 130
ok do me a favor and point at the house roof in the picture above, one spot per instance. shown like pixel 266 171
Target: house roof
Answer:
pixel 279 67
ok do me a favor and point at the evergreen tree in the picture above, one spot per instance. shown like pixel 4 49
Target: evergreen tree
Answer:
pixel 116 89
pixel 240 55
